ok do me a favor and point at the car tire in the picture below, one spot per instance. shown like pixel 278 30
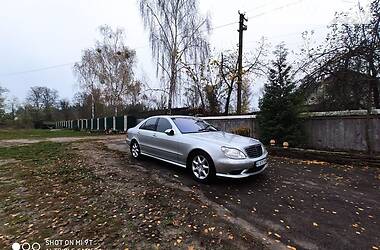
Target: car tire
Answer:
pixel 135 150
pixel 202 167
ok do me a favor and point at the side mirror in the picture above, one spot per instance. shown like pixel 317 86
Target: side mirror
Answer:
pixel 169 132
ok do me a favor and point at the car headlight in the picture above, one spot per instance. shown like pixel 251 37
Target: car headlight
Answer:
pixel 233 153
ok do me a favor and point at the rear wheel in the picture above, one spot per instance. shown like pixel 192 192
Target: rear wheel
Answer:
pixel 202 167
pixel 135 150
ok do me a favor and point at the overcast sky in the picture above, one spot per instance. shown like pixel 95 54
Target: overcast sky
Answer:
pixel 42 39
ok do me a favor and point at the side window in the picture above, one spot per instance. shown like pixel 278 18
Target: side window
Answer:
pixel 149 124
pixel 163 124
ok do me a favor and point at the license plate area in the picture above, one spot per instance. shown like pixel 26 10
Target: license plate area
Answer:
pixel 261 163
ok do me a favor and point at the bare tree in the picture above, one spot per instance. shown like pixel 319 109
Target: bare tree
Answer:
pixel 109 68
pixel 86 74
pixel 352 45
pixel 205 87
pixel 43 101
pixel 64 107
pixel 246 95
pixel 116 63
pixel 135 91
pixel 252 65
pixel 2 101
pixel 34 97
pixel 197 80
pixel 177 36
pixel 13 105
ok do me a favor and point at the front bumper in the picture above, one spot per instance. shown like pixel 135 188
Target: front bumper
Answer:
pixel 232 168
pixel 242 174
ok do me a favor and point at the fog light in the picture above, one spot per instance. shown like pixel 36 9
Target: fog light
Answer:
pixel 272 142
pixel 285 144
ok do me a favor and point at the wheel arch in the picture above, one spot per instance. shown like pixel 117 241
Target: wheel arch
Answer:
pixel 193 152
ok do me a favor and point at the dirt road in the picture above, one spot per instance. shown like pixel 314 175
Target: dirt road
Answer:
pixel 92 189
pixel 305 204
pixel 61 193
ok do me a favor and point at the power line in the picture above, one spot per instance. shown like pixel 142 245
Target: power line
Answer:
pixel 317 27
pixel 277 8
pixel 47 67
pixel 37 69
pixel 260 14
pixel 223 25
pixel 261 6
pixel 213 28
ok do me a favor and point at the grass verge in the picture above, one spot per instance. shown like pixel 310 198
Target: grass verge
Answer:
pixel 8 134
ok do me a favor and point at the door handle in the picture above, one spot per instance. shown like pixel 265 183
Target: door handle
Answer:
pixel 154 135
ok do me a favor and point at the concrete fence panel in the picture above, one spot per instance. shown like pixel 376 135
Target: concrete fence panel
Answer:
pixel 339 131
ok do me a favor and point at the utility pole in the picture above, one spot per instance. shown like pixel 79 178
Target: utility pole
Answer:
pixel 242 27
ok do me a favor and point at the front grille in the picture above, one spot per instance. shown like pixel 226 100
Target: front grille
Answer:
pixel 254 151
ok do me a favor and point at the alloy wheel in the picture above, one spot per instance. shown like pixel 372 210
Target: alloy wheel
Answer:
pixel 135 150
pixel 200 167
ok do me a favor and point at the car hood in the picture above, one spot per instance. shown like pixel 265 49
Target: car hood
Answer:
pixel 224 139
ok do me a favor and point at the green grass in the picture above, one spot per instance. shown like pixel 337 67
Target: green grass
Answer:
pixel 7 134
pixel 44 175
pixel 39 153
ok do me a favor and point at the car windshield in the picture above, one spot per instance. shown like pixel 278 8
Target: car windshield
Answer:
pixel 192 125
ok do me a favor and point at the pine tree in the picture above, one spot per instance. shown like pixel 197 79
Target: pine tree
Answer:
pixel 281 105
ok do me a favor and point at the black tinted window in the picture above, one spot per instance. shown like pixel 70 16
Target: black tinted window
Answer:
pixel 163 124
pixel 149 124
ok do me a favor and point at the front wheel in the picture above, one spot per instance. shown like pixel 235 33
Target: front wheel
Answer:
pixel 202 167
pixel 135 150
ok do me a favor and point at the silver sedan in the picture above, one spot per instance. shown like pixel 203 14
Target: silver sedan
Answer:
pixel 192 143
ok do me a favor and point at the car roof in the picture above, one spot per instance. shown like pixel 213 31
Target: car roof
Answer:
pixel 171 116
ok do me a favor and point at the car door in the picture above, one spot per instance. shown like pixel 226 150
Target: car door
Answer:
pixel 147 136
pixel 167 145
